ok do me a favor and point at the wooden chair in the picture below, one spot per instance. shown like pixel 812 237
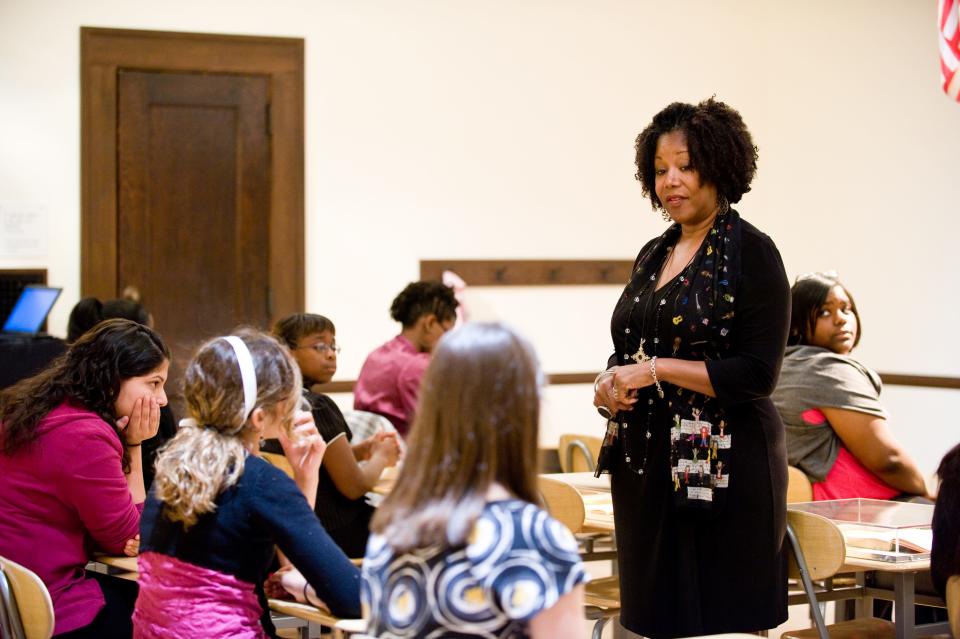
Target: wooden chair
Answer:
pixel 818 553
pixel 26 611
pixel 280 461
pixel 601 596
pixel 799 487
pixel 578 453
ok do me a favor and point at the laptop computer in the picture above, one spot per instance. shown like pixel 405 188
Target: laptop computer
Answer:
pixel 31 310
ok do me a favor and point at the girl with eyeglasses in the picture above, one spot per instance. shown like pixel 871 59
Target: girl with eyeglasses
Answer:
pixel 836 426
pixel 343 480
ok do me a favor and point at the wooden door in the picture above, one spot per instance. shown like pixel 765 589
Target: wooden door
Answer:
pixel 193 163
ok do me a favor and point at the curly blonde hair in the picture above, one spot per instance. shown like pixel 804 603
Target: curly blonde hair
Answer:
pixel 206 457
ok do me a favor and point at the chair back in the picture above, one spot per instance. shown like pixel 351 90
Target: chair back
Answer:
pixel 563 502
pixel 578 453
pixel 799 487
pixel 953 604
pixel 280 461
pixel 364 425
pixel 820 541
pixel 26 611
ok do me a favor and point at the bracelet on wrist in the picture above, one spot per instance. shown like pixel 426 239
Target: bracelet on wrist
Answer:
pixel 602 376
pixel 653 374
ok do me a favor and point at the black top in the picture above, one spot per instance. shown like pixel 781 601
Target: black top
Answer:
pixel 166 431
pixel 680 574
pixel 24 356
pixel 264 509
pixel 945 554
pixel 346 520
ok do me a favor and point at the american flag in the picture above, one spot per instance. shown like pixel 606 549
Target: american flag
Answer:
pixel 950 47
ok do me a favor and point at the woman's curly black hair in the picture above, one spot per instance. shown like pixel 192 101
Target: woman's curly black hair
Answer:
pixel 422 298
pixel 720 146
pixel 88 375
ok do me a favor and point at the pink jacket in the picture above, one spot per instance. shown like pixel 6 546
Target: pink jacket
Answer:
pixel 61 498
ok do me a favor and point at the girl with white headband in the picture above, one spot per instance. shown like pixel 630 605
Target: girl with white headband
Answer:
pixel 217 510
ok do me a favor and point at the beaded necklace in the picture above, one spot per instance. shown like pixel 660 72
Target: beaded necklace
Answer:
pixel 641 356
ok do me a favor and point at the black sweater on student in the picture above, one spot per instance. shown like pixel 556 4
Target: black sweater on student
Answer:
pixel 264 509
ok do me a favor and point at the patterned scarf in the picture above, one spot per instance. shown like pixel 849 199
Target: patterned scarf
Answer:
pixel 703 314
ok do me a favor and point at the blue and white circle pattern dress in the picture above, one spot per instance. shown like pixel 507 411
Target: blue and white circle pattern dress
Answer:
pixel 517 562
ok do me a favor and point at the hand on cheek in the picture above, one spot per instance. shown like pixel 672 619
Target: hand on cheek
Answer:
pixel 143 421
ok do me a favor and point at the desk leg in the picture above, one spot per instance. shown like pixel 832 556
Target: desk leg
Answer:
pixel 903 608
pixel 863 607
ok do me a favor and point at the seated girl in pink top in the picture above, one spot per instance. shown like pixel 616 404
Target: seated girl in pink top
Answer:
pixel 389 381
pixel 836 427
pixel 71 479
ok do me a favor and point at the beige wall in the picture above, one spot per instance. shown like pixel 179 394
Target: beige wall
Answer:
pixel 505 129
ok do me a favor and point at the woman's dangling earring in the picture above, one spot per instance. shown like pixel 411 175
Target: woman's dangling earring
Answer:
pixel 664 214
pixel 723 204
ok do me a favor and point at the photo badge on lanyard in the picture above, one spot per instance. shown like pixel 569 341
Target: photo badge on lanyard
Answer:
pixel 700 448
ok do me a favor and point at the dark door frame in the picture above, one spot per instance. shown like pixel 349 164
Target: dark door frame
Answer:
pixel 102 53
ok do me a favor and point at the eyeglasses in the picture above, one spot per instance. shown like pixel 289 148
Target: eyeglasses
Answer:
pixel 323 349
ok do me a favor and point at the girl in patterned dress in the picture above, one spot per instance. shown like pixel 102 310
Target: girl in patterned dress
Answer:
pixel 460 547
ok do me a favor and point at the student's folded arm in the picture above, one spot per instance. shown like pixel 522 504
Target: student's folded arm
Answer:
pixel 351 479
pixel 868 438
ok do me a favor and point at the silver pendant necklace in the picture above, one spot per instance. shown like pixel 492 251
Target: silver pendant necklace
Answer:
pixel 642 356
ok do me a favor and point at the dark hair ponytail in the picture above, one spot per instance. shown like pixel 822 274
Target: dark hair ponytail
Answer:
pixel 87 313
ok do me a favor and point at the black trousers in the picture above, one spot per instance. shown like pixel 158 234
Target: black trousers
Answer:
pixel 114 621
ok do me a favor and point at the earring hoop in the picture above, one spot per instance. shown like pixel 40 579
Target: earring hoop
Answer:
pixel 723 205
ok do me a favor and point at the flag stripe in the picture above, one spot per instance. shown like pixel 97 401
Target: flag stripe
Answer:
pixel 949 45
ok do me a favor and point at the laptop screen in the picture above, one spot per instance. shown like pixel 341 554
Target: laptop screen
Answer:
pixel 31 309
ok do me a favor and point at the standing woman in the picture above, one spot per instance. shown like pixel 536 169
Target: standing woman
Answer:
pixel 698 465
pixel 71 475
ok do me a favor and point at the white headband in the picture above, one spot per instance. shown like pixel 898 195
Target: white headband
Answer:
pixel 247 373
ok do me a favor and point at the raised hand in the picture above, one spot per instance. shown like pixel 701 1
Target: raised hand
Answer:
pixel 304 448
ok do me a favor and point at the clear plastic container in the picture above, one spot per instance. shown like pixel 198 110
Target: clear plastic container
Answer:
pixel 877 529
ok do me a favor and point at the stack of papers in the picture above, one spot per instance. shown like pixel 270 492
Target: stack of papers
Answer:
pixel 900 544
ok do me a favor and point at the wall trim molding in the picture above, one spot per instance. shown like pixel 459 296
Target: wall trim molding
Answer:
pixel 561 379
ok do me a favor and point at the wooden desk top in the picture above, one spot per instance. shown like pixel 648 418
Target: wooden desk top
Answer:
pixel 585 483
pixel 855 564
pixel 123 562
